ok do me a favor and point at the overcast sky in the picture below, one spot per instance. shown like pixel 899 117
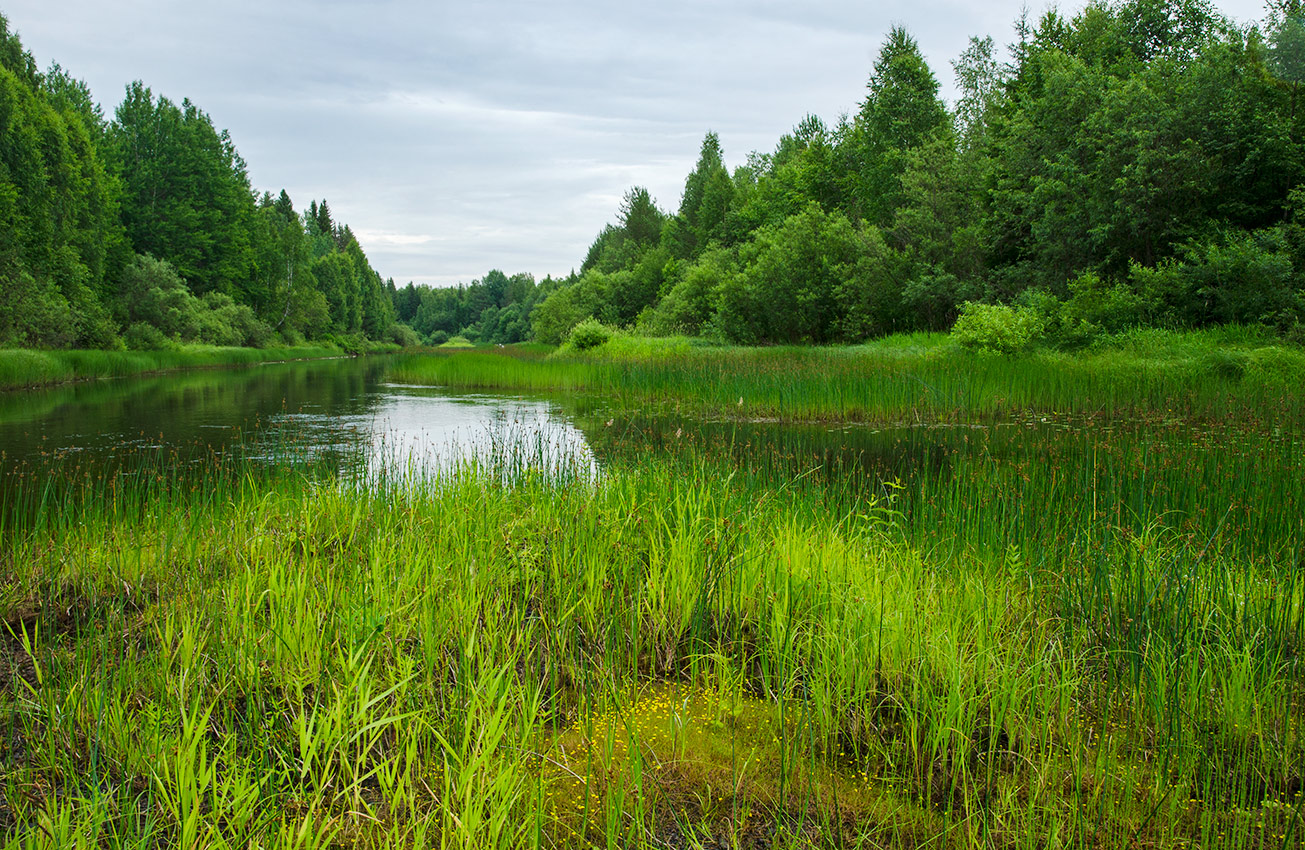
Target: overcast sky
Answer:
pixel 459 137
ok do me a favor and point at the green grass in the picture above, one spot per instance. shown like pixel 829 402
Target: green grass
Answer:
pixel 1082 639
pixel 21 368
pixel 1208 376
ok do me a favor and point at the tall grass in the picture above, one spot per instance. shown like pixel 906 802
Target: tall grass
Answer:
pixel 689 649
pixel 910 378
pixel 28 368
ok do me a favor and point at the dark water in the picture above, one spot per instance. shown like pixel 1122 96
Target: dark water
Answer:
pixel 339 412
pixel 345 413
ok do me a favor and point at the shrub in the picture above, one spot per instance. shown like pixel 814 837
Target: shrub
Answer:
pixel 1096 304
pixel 437 338
pixel 555 316
pixel 291 336
pixel 996 328
pixel 143 336
pixel 403 335
pixel 221 321
pixel 151 291
pixel 588 334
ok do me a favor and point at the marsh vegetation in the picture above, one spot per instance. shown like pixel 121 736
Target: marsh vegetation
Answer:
pixel 959 604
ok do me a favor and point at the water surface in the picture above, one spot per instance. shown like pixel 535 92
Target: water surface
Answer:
pixel 341 413
pixel 346 416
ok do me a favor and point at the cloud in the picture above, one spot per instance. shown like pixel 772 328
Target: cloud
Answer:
pixel 459 137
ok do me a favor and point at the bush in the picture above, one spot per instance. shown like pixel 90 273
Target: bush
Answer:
pixel 564 308
pixel 291 337
pixel 1246 279
pixel 221 321
pixel 996 328
pixel 152 292
pixel 588 334
pixel 350 343
pixel 1100 307
pixel 403 335
pixel 143 336
pixel 437 338
pixel 691 301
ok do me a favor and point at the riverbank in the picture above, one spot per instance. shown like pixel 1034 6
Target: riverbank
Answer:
pixel 1079 632
pixel 685 652
pixel 1198 375
pixel 25 368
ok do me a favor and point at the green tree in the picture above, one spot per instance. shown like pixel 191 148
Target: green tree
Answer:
pixel 187 195
pixel 816 277
pixel 1287 47
pixel 640 218
pixel 981 82
pixel 939 230
pixel 60 240
pixel 901 112
pixel 708 195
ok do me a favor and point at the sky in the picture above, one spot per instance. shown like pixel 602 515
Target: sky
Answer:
pixel 455 138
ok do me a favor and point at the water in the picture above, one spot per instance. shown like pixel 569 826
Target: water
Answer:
pixel 341 413
pixel 346 416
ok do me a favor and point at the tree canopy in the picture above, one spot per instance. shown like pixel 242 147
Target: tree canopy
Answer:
pixel 1137 163
pixel 144 230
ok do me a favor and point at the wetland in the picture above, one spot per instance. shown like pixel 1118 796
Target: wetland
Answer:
pixel 730 598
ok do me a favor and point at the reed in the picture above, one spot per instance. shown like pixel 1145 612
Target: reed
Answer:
pixel 920 377
pixel 1061 640
pixel 26 368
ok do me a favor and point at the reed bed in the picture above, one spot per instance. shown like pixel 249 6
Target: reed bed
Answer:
pixel 27 368
pixel 1089 642
pixel 918 378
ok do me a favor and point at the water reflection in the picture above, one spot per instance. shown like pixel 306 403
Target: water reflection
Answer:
pixel 339 414
pixel 428 430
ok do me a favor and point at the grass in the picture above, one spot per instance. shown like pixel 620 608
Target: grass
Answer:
pixel 20 368
pixel 1085 632
pixel 921 377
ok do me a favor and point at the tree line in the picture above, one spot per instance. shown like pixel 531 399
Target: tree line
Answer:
pixel 143 230
pixel 1139 163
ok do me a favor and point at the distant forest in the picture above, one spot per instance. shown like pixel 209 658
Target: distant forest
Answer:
pixel 1138 164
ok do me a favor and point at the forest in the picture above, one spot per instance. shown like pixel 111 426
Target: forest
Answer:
pixel 142 230
pixel 1136 164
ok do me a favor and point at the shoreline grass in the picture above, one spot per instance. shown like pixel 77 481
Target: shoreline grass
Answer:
pixel 1205 376
pixel 27 368
pixel 692 649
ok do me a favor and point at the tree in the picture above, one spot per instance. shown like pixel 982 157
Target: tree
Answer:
pixel 60 240
pixel 816 278
pixel 640 218
pixel 282 260
pixel 1287 47
pixel 901 112
pixel 939 230
pixel 187 195
pixel 980 80
pixel 708 195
